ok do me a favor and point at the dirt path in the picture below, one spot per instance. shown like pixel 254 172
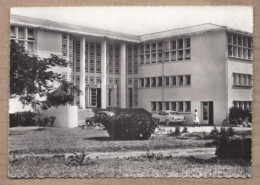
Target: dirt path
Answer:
pixel 108 155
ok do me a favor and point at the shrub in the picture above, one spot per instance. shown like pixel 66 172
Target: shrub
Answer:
pixel 185 130
pixel 22 119
pixel 128 124
pixel 46 121
pixel 177 131
pixel 235 147
pixel 214 131
pixel 237 115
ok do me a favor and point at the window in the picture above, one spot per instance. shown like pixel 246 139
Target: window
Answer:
pixel 180 54
pixel 167 105
pixel 30 47
pixel 174 107
pixel 12 32
pixel 159 106
pixel 166 80
pixel 173 44
pixel 187 43
pixel 153 81
pixel 187 54
pixel 243 104
pixel 187 106
pixel 147 82
pixel 174 81
pixel 93 97
pixel 24 37
pixel 240 79
pixel 98 80
pixel 153 106
pixel 180 43
pixel 109 97
pixel 92 80
pixel 141 82
pixel 153 58
pixel 173 56
pixel 159 81
pixel 31 34
pixel 180 106
pixel 180 80
pixel 21 33
pixel 130 81
pixel 147 59
pixel 188 80
pixel 239 46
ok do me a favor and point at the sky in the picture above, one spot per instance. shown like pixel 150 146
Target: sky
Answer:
pixel 144 20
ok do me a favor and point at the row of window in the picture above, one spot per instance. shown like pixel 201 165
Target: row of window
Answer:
pixel 240 46
pixel 26 37
pixel 240 79
pixel 113 60
pixel 170 50
pixel 132 59
pixel 178 80
pixel 243 104
pixel 180 106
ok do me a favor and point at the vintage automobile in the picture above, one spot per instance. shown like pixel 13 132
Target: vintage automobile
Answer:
pixel 169 116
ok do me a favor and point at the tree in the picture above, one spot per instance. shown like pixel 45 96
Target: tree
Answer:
pixel 31 75
pixel 64 95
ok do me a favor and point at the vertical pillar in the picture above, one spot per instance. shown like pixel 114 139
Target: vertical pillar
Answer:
pixel 82 73
pixel 104 74
pixel 123 76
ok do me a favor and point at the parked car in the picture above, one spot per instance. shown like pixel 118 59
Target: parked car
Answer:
pixel 169 116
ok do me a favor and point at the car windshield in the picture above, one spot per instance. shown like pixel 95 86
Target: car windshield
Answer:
pixel 174 113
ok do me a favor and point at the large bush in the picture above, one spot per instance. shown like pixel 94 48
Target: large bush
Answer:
pixel 128 124
pixel 237 115
pixel 22 119
pixel 235 147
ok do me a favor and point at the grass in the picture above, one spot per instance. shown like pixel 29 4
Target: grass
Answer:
pixel 36 167
pixel 64 140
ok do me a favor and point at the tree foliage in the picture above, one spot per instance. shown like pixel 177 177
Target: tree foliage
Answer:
pixel 31 75
pixel 64 95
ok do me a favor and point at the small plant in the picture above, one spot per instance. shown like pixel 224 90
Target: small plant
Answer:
pixel 79 159
pixel 214 131
pixel 177 131
pixel 185 130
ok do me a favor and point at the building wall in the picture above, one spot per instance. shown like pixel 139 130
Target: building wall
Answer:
pixel 206 67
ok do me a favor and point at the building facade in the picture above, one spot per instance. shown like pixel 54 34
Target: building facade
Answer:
pixel 205 67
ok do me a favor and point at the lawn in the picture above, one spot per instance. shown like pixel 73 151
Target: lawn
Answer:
pixel 38 152
pixel 176 167
pixel 64 140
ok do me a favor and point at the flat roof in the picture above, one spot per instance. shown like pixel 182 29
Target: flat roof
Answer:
pixel 82 30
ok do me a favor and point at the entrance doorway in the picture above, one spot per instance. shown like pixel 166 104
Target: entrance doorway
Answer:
pixel 207 112
pixel 95 97
pixel 130 95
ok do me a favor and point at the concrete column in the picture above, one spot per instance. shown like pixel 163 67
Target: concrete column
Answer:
pixel 82 73
pixel 104 74
pixel 123 76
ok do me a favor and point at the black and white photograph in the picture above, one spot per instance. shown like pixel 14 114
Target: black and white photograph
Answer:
pixel 141 91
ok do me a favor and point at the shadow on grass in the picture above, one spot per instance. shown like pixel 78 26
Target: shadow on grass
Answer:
pixel 104 138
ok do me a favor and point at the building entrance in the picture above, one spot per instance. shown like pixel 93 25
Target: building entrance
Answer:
pixel 207 112
pixel 95 97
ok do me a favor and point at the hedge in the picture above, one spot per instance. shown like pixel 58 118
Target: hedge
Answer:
pixel 128 124
pixel 235 147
